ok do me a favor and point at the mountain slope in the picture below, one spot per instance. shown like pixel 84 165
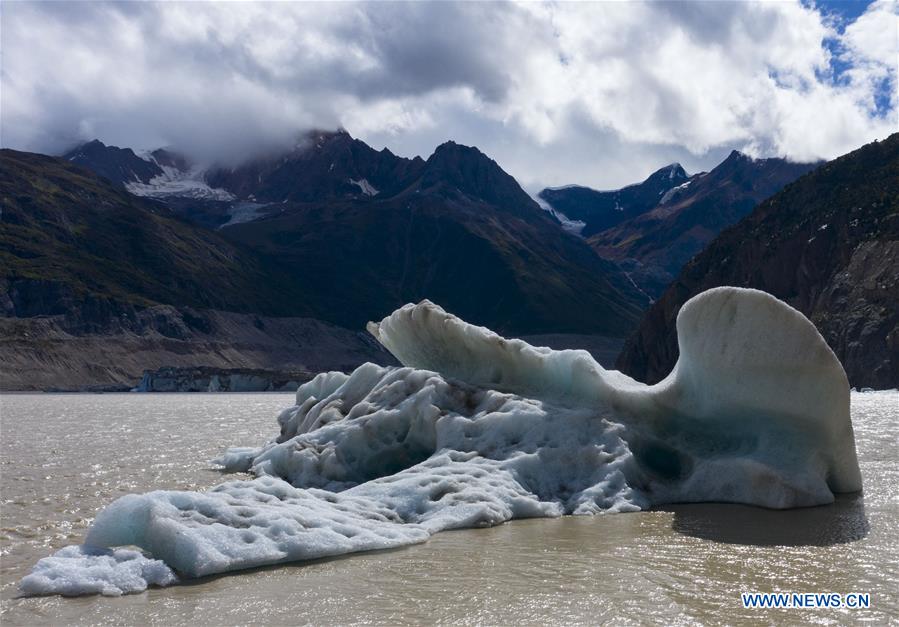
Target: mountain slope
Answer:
pixel 455 229
pixel 118 165
pixel 655 245
pixel 827 244
pixel 457 172
pixel 322 166
pixel 110 348
pixel 84 266
pixel 601 210
pixel 67 235
pixel 463 234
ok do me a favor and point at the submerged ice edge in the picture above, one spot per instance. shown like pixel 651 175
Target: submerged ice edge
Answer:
pixel 476 430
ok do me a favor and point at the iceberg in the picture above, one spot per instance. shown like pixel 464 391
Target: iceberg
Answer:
pixel 80 570
pixel 474 430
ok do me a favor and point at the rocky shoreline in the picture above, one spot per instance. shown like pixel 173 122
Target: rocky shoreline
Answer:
pixel 204 379
pixel 62 344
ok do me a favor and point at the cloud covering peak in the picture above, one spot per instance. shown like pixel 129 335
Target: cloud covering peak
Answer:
pixel 595 93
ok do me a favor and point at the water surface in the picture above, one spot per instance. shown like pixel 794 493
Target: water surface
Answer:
pixel 66 456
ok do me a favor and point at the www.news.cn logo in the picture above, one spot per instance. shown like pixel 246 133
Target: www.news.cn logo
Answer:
pixel 853 600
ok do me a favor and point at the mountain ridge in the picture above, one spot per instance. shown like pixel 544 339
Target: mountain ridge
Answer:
pixel 455 228
pixel 652 228
pixel 603 209
pixel 64 225
pixel 827 244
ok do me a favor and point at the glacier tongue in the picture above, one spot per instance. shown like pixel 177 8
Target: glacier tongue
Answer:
pixel 189 183
pixel 476 430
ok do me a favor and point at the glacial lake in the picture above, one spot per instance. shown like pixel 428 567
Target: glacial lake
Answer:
pixel 64 457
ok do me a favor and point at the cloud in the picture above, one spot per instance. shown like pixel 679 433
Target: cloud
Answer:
pixel 596 93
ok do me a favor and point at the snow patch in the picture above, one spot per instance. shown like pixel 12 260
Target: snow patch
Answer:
pixel 364 186
pixel 244 212
pixel 649 298
pixel 674 190
pixel 563 187
pixel 574 227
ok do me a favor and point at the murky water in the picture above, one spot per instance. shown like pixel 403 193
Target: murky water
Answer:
pixel 66 456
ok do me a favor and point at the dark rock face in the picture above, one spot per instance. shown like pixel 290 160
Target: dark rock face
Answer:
pixel 828 245
pixel 35 297
pixel 323 166
pixel 118 165
pixel 655 245
pixel 601 210
pixel 455 170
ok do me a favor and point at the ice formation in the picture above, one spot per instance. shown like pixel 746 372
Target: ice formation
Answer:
pixel 78 570
pixel 175 182
pixel 364 186
pixel 476 430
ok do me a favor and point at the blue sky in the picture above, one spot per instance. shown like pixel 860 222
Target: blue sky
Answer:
pixel 845 12
pixel 598 93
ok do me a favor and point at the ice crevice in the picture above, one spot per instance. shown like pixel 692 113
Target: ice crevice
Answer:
pixel 475 429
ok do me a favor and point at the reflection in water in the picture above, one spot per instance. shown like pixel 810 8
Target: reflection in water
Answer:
pixel 840 522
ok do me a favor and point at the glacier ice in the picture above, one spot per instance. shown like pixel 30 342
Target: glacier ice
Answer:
pixel 475 429
pixel 190 183
pixel 79 570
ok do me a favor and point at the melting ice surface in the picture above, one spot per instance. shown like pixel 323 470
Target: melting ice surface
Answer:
pixel 476 430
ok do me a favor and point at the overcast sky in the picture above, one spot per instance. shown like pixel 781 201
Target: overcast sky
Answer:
pixel 592 93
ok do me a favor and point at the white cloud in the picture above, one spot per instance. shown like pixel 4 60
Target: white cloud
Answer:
pixel 596 93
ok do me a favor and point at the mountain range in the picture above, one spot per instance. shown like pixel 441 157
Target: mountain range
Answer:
pixel 828 245
pixel 600 210
pixel 361 232
pixel 294 251
pixel 158 254
pixel 651 229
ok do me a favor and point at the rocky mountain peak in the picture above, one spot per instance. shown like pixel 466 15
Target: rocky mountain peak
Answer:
pixel 672 174
pixel 456 168
pixel 118 165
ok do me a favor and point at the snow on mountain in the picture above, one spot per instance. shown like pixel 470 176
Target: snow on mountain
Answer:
pixel 600 210
pixel 365 186
pixel 241 212
pixel 667 196
pixel 655 241
pixel 175 182
pixel 844 277
pixel 118 165
pixel 572 226
pixel 476 430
